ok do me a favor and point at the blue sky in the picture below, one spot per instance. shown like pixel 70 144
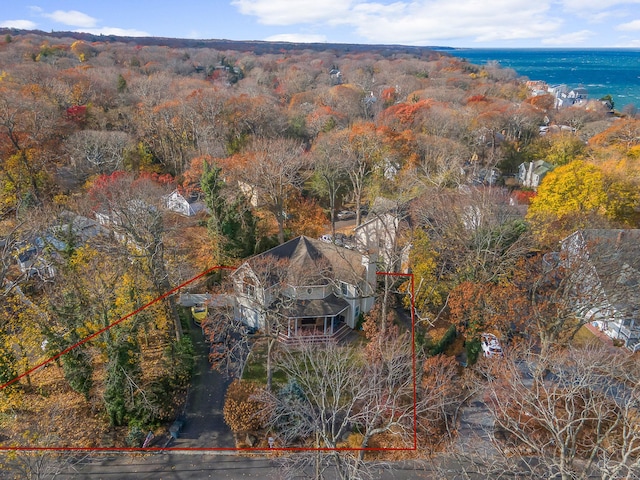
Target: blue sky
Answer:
pixel 455 23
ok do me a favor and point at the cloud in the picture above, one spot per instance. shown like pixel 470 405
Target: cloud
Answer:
pixel 73 18
pixel 577 6
pixel 631 44
pixel 297 38
pixel 573 38
pixel 86 23
pixel 429 21
pixel 121 32
pixel 629 26
pixel 20 24
pixel 289 12
pixel 418 22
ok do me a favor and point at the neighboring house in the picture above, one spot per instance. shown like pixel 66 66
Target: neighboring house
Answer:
pixel 485 176
pixel 564 97
pixel 32 262
pixel 530 174
pixel 609 260
pixel 336 76
pixel 324 292
pixel 117 221
pixel 188 206
pixel 379 235
pixel 35 257
pixel 82 228
pixel 578 95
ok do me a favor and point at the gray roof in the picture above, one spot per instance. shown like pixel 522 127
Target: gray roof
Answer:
pixel 315 260
pixel 327 307
pixel 615 254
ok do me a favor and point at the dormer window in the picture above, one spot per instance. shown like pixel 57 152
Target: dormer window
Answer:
pixel 344 289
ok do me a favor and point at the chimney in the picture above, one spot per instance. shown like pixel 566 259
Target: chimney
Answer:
pixel 369 261
pixel 529 177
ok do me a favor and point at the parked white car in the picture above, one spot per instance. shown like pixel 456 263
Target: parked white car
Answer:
pixel 338 240
pixel 490 345
pixel 346 215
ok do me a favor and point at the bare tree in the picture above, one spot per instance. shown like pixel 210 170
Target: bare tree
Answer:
pixel 95 151
pixel 333 390
pixel 475 232
pixel 40 463
pixel 274 168
pixel 441 161
pixel 362 151
pixel 229 341
pixel 132 208
pixel 568 414
pixel 330 174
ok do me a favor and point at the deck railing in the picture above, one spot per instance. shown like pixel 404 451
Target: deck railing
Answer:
pixel 299 339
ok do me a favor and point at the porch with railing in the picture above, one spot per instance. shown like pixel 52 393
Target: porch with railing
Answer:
pixel 331 330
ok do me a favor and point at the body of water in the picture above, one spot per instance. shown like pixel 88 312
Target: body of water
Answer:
pixel 614 72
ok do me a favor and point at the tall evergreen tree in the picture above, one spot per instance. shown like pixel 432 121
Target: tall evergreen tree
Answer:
pixel 232 222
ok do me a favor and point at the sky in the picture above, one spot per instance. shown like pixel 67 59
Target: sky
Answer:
pixel 450 23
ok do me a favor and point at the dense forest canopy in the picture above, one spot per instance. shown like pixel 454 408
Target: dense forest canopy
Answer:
pixel 274 139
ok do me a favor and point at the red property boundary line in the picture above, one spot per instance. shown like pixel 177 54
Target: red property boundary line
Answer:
pixel 219 449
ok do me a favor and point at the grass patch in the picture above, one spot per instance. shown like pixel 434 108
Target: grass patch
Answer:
pixel 256 368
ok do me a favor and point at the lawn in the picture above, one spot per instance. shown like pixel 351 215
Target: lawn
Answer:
pixel 256 368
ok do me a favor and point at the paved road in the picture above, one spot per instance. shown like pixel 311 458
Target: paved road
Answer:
pixel 204 426
pixel 174 466
pixel 190 467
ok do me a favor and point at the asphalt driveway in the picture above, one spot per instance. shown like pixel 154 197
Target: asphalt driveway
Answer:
pixel 204 425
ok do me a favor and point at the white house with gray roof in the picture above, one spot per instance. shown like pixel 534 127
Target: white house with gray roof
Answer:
pixel 322 294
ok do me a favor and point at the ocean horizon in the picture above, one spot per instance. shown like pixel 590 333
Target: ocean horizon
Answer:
pixel 606 71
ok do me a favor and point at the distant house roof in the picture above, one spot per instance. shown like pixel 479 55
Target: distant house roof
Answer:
pixel 531 173
pixel 540 167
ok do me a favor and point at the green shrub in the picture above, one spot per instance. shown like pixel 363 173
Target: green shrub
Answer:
pixel 473 348
pixel 446 340
pixel 135 437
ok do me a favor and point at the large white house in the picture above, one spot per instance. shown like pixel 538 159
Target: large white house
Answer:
pixel 324 290
pixel 608 263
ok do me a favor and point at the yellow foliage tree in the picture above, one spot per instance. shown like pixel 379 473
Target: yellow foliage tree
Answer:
pixel 580 195
pixel 423 264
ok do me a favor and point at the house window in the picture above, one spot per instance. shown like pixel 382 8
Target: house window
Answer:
pixel 344 289
pixel 249 289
